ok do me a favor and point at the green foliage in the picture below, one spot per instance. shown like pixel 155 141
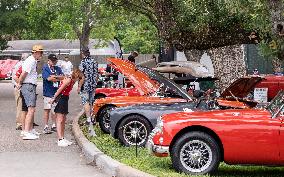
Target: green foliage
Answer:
pixel 200 24
pixel 12 20
pixel 39 21
pixel 138 34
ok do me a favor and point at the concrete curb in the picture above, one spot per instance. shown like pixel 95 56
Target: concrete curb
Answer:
pixel 95 157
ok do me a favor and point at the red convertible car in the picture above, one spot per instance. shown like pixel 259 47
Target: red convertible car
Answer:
pixel 198 141
pixel 6 67
pixel 108 86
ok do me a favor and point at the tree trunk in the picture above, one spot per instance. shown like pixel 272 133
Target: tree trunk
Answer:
pixel 228 63
pixel 277 18
pixel 277 65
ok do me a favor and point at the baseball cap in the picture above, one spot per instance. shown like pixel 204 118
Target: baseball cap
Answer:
pixel 37 48
pixel 52 57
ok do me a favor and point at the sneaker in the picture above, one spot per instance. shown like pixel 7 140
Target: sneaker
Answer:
pixel 35 132
pixel 46 130
pixel 22 133
pixel 62 143
pixel 91 131
pixel 29 136
pixel 53 129
pixel 87 123
pixel 68 142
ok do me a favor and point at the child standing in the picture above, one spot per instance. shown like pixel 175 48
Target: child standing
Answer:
pixel 61 109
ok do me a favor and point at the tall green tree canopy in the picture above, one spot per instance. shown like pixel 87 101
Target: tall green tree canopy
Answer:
pixel 12 20
pixel 81 19
pixel 203 24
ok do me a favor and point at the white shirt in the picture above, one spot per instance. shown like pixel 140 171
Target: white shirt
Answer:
pixel 67 67
pixel 29 66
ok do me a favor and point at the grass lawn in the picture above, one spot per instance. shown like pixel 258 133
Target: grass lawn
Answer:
pixel 162 167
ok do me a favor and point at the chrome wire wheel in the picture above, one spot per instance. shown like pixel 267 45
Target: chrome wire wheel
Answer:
pixel 104 118
pixel 135 132
pixel 196 156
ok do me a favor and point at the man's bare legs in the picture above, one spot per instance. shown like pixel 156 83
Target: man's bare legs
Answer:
pixel 29 119
pixel 46 114
pixel 87 109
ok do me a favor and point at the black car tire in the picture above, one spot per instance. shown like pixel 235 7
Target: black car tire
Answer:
pixel 195 148
pixel 132 126
pixel 104 119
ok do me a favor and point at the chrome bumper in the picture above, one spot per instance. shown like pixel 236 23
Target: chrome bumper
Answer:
pixel 155 149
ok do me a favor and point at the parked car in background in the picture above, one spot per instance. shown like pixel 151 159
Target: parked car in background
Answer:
pixel 108 84
pixel 153 87
pixel 183 68
pixel 156 88
pixel 198 141
pixel 131 125
pixel 6 67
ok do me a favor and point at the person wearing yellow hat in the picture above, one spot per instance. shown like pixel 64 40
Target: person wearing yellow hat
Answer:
pixel 27 84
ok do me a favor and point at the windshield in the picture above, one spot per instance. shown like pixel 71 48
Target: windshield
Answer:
pixel 277 104
pixel 166 85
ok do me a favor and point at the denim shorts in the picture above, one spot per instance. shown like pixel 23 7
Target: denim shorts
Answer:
pixel 29 94
pixel 87 97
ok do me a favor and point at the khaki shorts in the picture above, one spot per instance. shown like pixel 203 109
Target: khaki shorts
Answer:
pixel 46 101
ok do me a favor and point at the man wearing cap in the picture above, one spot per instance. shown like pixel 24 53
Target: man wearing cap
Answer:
pixel 51 75
pixel 27 83
pixel 86 89
pixel 133 56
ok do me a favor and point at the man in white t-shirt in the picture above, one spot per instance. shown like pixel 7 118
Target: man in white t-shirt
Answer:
pixel 67 66
pixel 27 84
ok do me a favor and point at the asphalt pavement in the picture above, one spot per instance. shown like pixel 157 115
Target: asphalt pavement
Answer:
pixel 39 158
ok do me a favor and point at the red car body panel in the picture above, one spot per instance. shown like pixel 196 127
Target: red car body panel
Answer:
pixel 261 136
pixel 6 66
pixel 142 83
pixel 273 83
pixel 233 104
pixel 140 80
pixel 112 92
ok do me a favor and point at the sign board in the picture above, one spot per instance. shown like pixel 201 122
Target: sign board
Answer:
pixel 191 87
pixel 260 95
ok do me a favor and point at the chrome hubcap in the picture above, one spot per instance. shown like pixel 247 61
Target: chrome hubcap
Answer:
pixel 135 132
pixel 106 118
pixel 196 156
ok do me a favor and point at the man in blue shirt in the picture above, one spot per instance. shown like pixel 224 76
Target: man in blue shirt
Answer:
pixel 51 75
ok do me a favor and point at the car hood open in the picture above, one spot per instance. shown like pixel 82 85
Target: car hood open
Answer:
pixel 142 82
pixel 241 87
pixel 183 67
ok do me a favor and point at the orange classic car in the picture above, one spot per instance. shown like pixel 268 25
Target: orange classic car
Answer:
pixel 156 88
pixel 153 87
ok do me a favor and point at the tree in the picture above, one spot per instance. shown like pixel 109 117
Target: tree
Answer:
pixel 79 15
pixel 202 25
pixel 273 46
pixel 12 20
pixel 210 25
